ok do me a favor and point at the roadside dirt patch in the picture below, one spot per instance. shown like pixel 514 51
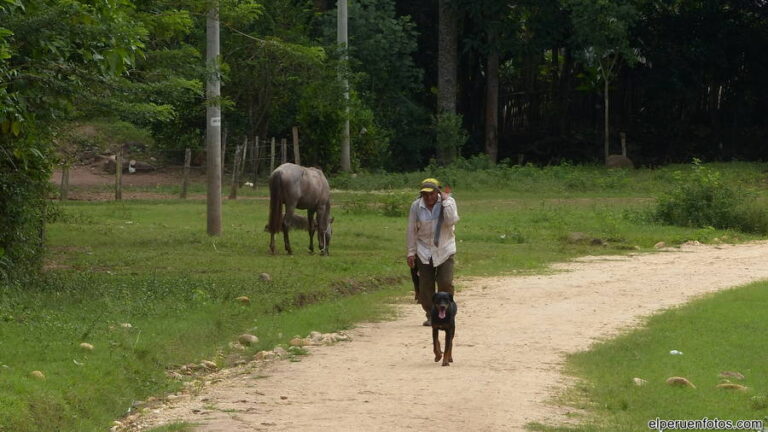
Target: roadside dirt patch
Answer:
pixel 92 183
pixel 512 337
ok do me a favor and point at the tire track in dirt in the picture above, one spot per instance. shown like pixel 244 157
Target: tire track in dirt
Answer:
pixel 511 340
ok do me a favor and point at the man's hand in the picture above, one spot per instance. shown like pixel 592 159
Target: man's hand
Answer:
pixel 412 261
pixel 445 193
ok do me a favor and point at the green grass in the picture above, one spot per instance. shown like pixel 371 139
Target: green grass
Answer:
pixel 150 264
pixel 553 181
pixel 721 332
pixel 174 427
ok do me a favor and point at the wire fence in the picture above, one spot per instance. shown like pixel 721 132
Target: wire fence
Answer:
pixel 241 163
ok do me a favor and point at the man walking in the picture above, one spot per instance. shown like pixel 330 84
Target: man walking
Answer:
pixel 431 241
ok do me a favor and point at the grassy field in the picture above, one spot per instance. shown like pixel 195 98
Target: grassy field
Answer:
pixel 722 332
pixel 150 264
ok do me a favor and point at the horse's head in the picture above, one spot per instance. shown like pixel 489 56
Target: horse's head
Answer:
pixel 324 235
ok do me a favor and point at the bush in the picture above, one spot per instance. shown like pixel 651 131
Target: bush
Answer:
pixel 24 173
pixel 397 205
pixel 450 136
pixel 699 198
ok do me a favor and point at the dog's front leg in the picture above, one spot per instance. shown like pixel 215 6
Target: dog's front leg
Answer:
pixel 448 358
pixel 436 344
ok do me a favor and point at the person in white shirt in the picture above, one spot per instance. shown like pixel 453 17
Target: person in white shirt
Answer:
pixel 431 241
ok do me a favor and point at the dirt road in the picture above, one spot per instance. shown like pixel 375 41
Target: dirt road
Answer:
pixel 512 335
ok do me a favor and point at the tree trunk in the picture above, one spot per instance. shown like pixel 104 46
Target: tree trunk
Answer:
pixel 606 127
pixel 185 177
pixel 321 5
pixel 64 189
pixel 256 154
pixel 552 112
pixel 296 153
pixel 492 108
pixel 447 65
pixel 564 97
pixel 224 136
pixel 272 156
pixel 235 172
pixel 713 106
pixel 447 59
pixel 119 175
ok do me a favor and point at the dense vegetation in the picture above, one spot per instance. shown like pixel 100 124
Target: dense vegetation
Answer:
pixel 150 264
pixel 470 91
pixel 540 81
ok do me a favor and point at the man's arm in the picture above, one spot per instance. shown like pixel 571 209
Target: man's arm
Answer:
pixel 411 233
pixel 450 212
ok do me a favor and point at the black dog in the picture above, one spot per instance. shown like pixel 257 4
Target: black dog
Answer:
pixel 443 316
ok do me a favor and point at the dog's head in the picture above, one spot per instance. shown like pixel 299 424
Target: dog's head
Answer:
pixel 442 302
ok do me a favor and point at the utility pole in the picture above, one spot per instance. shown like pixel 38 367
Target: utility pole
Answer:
pixel 343 39
pixel 213 120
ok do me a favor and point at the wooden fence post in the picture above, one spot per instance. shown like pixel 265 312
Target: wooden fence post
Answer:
pixel 283 150
pixel 272 157
pixel 235 169
pixel 185 178
pixel 119 174
pixel 623 136
pixel 64 189
pixel 255 155
pixel 296 154
pixel 223 151
pixel 244 157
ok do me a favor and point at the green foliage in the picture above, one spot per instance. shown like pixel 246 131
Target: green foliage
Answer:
pixel 23 211
pixel 602 30
pixel 700 198
pixel 320 113
pixel 60 51
pixel 279 78
pixel 164 91
pixel 386 83
pixel 477 173
pixel 397 205
pixel 52 54
pixel 450 136
pixel 240 12
pixel 370 141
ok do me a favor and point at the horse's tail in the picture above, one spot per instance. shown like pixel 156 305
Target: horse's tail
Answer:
pixel 276 201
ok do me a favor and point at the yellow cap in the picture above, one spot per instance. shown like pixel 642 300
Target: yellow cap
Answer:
pixel 429 184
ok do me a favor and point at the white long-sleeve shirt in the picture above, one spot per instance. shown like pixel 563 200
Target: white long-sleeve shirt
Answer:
pixel 421 231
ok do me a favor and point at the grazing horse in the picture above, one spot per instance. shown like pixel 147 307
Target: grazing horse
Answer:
pixel 297 187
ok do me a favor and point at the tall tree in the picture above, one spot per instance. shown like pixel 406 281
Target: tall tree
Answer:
pixel 343 39
pixel 385 80
pixel 447 70
pixel 602 30
pixel 51 53
pixel 495 28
